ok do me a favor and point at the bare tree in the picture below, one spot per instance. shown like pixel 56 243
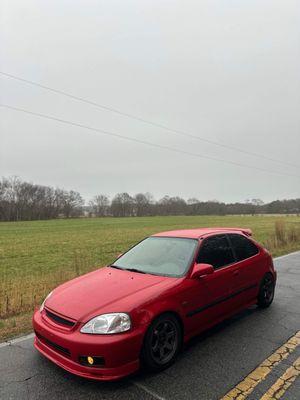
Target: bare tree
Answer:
pixel 122 205
pixel 257 202
pixel 72 204
pixel 100 205
pixel 172 206
pixel 143 204
pixel 192 200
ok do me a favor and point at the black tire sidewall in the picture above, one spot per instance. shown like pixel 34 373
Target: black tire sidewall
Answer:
pixel 261 301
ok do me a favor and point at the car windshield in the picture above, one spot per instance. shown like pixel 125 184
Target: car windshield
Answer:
pixel 166 256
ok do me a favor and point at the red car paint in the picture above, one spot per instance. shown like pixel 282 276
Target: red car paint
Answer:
pixel 198 303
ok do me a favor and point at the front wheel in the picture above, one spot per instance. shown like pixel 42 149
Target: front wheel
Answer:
pixel 162 342
pixel 266 291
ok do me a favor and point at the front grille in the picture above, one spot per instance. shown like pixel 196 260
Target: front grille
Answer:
pixel 59 319
pixel 53 345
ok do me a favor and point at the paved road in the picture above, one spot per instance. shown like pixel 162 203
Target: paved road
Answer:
pixel 211 365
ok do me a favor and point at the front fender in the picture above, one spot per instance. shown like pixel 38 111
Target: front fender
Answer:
pixel 148 313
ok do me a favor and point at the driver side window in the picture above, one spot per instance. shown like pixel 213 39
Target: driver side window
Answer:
pixel 216 251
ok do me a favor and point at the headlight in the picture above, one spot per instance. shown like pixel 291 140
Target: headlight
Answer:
pixel 107 323
pixel 43 303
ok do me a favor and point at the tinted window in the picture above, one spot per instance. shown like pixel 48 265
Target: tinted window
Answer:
pixel 242 246
pixel 216 251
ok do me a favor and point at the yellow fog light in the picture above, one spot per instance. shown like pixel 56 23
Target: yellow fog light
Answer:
pixel 90 360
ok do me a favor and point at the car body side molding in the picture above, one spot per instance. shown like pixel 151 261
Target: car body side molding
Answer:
pixel 221 300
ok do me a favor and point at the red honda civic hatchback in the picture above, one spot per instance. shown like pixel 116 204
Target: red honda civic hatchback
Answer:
pixel 152 299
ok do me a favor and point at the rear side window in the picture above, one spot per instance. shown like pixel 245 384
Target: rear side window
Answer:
pixel 242 246
pixel 216 251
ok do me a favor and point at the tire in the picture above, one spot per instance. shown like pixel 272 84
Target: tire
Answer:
pixel 266 291
pixel 162 343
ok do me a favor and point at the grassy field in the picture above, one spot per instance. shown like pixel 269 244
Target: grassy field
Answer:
pixel 37 256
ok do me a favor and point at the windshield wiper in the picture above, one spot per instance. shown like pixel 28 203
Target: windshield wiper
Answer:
pixel 134 270
pixel 127 269
pixel 115 266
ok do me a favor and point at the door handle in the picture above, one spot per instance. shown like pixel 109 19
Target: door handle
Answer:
pixel 236 272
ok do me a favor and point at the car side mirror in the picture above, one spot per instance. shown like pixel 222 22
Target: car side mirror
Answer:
pixel 201 270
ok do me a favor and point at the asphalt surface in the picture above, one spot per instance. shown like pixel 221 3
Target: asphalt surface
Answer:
pixel 209 367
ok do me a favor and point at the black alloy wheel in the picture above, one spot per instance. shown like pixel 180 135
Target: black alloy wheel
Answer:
pixel 162 342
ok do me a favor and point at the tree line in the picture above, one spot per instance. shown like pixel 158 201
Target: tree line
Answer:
pixel 20 200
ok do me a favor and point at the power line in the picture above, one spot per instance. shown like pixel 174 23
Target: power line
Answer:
pixel 145 121
pixel 156 145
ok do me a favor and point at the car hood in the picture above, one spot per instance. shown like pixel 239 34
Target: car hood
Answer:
pixel 105 290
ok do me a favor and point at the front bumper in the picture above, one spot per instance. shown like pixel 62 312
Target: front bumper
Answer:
pixel 120 351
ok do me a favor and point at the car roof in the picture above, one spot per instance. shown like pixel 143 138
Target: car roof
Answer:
pixel 200 232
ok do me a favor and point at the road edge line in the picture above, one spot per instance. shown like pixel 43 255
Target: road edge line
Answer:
pixel 147 390
pixel 17 340
pixel 286 255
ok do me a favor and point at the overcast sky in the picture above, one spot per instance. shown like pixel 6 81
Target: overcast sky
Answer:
pixel 223 70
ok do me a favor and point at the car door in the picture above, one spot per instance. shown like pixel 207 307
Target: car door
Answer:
pixel 210 296
pixel 248 268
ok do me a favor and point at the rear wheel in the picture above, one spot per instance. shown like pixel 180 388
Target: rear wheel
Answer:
pixel 266 291
pixel 162 342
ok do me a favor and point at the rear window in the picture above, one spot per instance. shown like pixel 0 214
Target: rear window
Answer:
pixel 242 246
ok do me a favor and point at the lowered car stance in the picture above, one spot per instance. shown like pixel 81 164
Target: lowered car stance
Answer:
pixel 143 307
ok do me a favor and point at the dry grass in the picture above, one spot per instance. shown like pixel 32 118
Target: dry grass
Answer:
pixel 35 257
pixel 283 236
pixel 14 326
